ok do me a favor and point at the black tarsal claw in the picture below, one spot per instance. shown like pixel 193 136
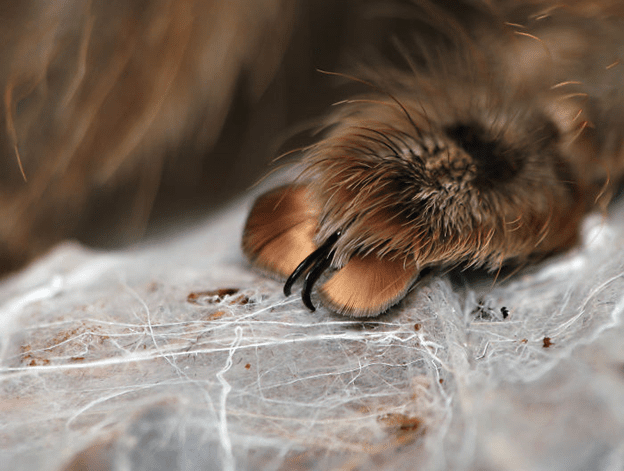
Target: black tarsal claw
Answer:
pixel 312 277
pixel 313 265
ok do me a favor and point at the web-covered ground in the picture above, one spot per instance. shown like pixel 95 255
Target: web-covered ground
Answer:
pixel 176 355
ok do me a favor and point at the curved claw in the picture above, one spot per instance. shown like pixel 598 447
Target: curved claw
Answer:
pixel 303 267
pixel 313 265
pixel 311 278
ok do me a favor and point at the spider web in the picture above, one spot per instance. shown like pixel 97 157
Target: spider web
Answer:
pixel 176 355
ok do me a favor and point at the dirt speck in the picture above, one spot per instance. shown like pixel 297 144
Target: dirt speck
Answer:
pixel 216 296
pixel 402 426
